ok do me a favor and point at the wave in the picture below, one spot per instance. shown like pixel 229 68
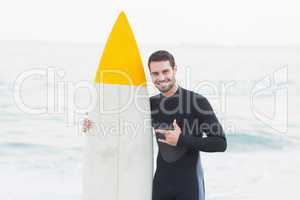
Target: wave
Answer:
pixel 240 142
pixel 17 148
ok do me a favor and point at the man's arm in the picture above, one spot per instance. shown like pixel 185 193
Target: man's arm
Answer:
pixel 215 140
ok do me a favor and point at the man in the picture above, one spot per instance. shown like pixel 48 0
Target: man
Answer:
pixel 184 123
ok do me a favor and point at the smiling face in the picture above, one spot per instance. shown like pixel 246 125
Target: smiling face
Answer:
pixel 163 75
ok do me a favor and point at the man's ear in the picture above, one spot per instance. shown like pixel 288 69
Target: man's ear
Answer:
pixel 175 69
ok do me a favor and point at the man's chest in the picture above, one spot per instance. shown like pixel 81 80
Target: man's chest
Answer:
pixel 187 121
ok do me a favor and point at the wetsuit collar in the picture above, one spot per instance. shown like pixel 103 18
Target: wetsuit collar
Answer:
pixel 175 94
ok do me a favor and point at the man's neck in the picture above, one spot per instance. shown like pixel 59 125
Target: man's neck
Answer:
pixel 171 91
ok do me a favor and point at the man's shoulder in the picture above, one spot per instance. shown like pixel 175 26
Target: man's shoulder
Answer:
pixel 193 94
pixel 199 101
pixel 154 97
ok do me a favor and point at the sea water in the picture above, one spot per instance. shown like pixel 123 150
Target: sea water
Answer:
pixel 254 91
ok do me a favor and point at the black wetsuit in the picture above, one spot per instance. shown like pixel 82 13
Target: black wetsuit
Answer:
pixel 178 175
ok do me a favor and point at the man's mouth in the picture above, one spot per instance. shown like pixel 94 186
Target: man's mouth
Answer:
pixel 163 83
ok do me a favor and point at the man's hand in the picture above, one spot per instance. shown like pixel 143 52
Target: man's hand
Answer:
pixel 171 136
pixel 87 124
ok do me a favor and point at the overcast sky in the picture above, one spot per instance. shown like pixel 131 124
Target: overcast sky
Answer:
pixel 224 22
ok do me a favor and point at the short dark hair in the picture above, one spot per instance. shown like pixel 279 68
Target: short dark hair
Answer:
pixel 162 55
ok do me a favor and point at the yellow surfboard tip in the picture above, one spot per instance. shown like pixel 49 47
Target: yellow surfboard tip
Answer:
pixel 121 62
pixel 122 14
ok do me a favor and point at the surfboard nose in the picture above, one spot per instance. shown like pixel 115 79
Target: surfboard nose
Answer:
pixel 121 62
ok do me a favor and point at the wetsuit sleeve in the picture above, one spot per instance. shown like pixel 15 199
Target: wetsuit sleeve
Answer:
pixel 215 140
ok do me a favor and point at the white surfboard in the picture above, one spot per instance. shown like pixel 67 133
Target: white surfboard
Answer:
pixel 118 154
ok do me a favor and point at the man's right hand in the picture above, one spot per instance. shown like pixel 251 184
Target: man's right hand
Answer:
pixel 87 125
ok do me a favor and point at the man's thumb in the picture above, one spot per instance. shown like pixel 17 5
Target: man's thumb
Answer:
pixel 175 124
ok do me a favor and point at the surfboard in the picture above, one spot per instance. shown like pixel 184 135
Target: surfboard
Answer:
pixel 118 151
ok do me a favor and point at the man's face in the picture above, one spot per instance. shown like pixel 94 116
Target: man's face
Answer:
pixel 163 75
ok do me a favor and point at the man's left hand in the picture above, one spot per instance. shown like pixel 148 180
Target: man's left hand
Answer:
pixel 171 136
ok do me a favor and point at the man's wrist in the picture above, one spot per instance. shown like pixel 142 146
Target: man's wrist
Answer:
pixel 180 141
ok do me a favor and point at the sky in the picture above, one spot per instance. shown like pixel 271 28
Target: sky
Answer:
pixel 221 22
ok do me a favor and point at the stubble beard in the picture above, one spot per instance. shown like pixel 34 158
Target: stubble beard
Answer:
pixel 169 87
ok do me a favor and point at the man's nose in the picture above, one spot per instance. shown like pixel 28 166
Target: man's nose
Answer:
pixel 160 77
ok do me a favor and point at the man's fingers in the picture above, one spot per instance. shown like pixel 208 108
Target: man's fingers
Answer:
pixel 161 131
pixel 87 123
pixel 162 140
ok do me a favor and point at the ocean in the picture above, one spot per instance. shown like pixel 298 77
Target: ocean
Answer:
pixel 254 91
